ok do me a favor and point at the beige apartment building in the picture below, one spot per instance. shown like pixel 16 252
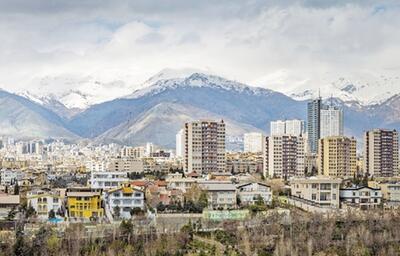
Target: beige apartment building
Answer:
pixel 205 146
pixel 381 153
pixel 126 164
pixel 337 156
pixel 320 190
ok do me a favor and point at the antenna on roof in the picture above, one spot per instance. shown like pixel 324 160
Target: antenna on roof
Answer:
pixel 319 93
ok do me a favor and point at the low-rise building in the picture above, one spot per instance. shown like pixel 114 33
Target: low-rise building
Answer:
pixel 321 191
pixel 125 199
pixel 84 203
pixel 7 203
pixel 43 201
pixel 220 195
pixel 361 197
pixel 249 193
pixel 108 179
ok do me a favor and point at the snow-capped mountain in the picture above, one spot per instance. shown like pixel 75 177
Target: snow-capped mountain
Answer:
pixel 365 88
pixel 75 92
pixel 196 80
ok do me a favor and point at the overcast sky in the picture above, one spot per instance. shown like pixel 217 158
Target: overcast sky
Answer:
pixel 256 42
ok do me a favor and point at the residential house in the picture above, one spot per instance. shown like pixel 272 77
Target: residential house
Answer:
pixel 125 198
pixel 362 197
pixel 249 193
pixel 84 203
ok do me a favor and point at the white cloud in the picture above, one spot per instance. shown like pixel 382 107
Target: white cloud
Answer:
pixel 250 41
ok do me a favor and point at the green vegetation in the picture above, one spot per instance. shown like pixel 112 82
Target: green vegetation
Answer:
pixel 374 233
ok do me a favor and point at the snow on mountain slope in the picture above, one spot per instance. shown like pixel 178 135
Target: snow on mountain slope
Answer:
pixel 367 88
pixel 196 80
pixel 170 73
pixel 77 92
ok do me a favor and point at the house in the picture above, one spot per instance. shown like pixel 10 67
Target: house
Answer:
pixel 125 198
pixel 84 203
pixel 362 197
pixel 9 177
pixel 220 195
pixel 321 191
pixel 390 193
pixel 7 203
pixel 249 193
pixel 45 200
pixel 107 179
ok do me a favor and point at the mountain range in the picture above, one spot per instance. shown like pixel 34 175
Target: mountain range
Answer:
pixel 158 109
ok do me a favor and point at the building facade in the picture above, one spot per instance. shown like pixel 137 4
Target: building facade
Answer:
pixel 253 142
pixel 43 201
pixel 361 197
pixel 337 156
pixel 180 143
pixel 293 127
pixel 107 180
pixel 284 157
pixel 205 146
pixel 125 198
pixel 84 203
pixel 250 193
pixel 331 122
pixel 314 124
pixel 323 191
pixel 381 153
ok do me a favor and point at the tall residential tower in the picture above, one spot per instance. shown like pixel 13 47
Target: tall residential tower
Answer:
pixel 205 146
pixel 381 153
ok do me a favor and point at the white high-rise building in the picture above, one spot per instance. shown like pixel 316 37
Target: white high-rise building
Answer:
pixel 149 149
pixel 278 127
pixel 331 122
pixel 253 142
pixel 293 127
pixel 205 146
pixel 180 143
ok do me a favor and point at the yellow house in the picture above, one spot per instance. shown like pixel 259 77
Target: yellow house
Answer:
pixel 84 203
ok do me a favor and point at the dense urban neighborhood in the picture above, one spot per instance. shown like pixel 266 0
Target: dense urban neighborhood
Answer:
pixel 301 172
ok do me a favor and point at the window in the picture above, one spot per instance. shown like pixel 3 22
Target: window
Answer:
pixel 313 197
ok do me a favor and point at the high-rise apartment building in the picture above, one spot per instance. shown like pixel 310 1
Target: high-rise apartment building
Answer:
pixel 180 143
pixel 381 153
pixel 293 127
pixel 284 156
pixel 253 142
pixel 337 156
pixel 205 146
pixel 331 122
pixel 277 127
pixel 314 124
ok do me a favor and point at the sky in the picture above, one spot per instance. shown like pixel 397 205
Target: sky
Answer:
pixel 273 44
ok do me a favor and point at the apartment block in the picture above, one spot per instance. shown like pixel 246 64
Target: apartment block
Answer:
pixel 381 153
pixel 205 146
pixel 253 142
pixel 337 156
pixel 284 157
pixel 293 127
pixel 331 122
